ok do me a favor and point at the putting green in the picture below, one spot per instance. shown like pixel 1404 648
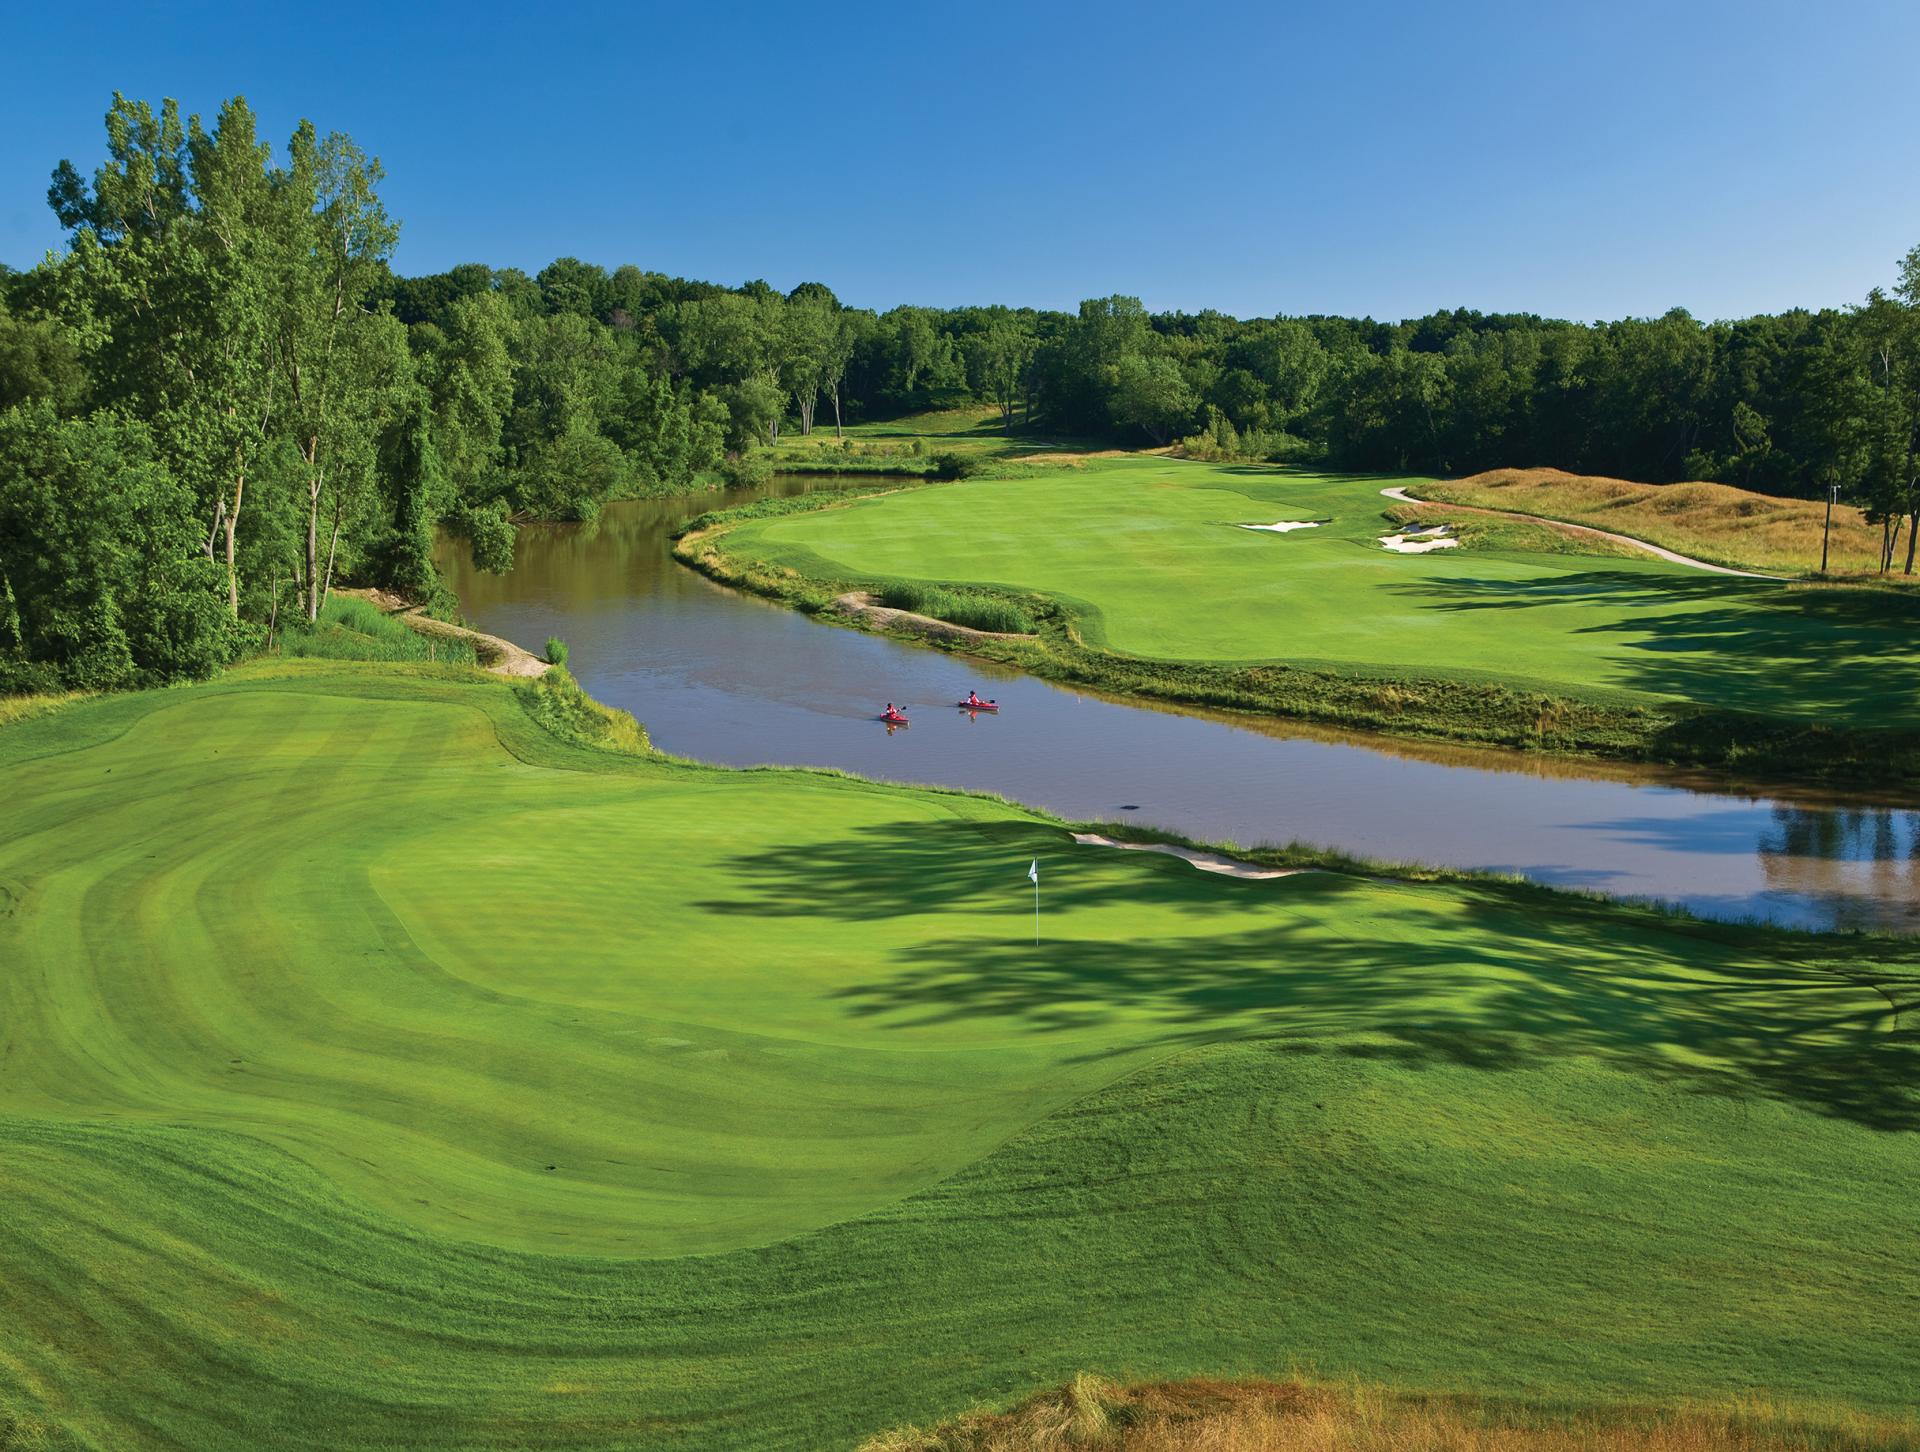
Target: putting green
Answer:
pixel 372 1065
pixel 1148 551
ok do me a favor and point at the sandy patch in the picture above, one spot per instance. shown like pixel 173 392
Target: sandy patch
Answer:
pixel 1421 541
pixel 1205 861
pixel 1285 526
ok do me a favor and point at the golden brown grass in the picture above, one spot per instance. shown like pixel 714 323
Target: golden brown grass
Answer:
pixel 1263 1416
pixel 1716 522
pixel 25 708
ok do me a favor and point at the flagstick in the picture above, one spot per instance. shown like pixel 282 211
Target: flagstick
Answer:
pixel 1033 871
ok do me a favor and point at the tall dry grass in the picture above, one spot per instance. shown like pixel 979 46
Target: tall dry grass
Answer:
pixel 1261 1416
pixel 25 708
pixel 1716 522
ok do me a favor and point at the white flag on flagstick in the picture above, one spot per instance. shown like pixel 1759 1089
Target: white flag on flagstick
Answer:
pixel 1033 875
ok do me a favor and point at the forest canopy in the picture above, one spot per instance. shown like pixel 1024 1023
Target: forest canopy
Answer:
pixel 220 399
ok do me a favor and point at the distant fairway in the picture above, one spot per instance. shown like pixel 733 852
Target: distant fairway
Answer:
pixel 1144 550
pixel 377 1070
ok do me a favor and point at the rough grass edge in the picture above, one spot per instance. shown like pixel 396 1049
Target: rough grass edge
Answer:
pixel 1306 1416
pixel 556 702
pixel 15 709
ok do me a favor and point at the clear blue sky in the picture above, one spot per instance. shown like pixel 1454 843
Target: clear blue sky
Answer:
pixel 1580 160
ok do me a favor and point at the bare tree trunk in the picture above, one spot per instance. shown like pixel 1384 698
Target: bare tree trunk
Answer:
pixel 298 581
pixel 1913 534
pixel 313 529
pixel 273 615
pixel 836 413
pixel 313 555
pixel 232 524
pixel 332 545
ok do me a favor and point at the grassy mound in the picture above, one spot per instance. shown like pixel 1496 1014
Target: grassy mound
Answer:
pixel 1716 522
pixel 1263 1416
pixel 1159 594
pixel 383 1069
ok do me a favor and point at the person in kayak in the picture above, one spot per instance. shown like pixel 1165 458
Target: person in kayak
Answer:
pixel 890 714
pixel 973 699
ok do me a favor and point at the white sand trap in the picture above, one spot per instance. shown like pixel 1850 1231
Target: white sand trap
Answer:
pixel 1284 525
pixel 1421 541
pixel 1205 861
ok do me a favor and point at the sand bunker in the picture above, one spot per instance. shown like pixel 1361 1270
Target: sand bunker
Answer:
pixel 1205 861
pixel 1284 525
pixel 1421 541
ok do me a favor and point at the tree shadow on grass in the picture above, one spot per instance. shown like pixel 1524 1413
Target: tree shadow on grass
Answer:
pixel 1745 644
pixel 1486 977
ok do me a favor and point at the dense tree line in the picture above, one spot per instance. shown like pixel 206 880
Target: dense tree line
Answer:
pixel 219 399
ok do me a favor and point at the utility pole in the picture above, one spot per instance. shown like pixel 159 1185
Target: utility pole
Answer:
pixel 1833 495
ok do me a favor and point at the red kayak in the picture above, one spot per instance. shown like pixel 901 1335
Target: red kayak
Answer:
pixel 896 719
pixel 977 705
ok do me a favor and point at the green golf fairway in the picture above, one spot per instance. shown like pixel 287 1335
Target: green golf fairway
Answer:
pixel 379 1070
pixel 1147 551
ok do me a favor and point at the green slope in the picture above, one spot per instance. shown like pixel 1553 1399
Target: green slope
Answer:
pixel 1146 549
pixel 372 1064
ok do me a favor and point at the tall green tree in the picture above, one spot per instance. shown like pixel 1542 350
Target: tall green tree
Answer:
pixel 171 287
pixel 1151 394
pixel 331 240
pixel 997 361
pixel 469 383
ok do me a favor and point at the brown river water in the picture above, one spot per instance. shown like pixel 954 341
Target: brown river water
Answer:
pixel 727 678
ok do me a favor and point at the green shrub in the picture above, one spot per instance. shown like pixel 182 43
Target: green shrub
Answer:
pixel 556 701
pixel 744 470
pixel 557 651
pixel 1221 442
pixel 955 466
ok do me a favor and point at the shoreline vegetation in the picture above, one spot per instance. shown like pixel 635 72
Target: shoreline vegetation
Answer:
pixel 1596 724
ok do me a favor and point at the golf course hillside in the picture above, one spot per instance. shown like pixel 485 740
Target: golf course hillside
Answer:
pixel 1272 589
pixel 378 1068
pixel 1718 522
